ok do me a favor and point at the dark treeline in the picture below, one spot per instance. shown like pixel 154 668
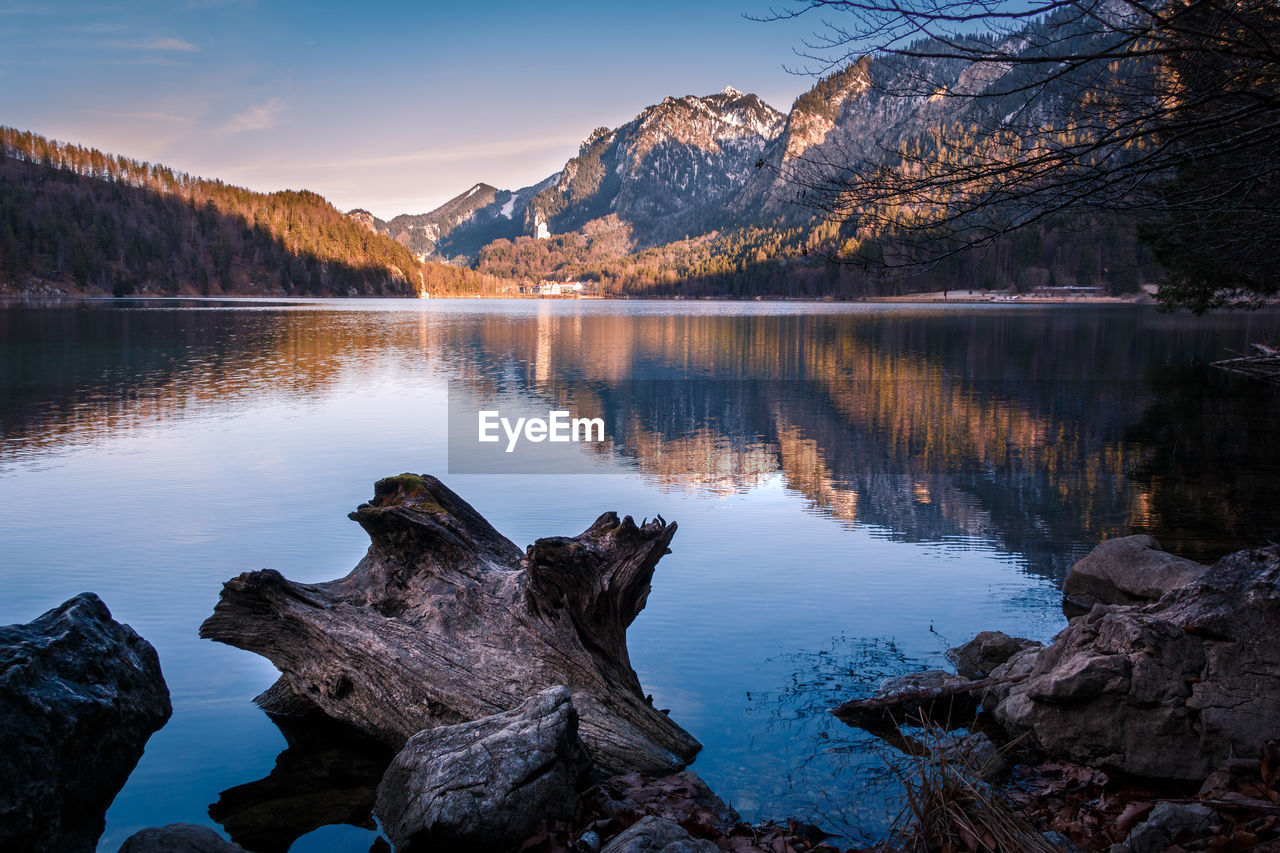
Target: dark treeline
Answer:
pixel 81 220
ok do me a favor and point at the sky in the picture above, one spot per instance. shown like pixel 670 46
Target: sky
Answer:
pixel 392 107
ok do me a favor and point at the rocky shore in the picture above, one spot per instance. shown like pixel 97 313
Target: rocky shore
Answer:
pixel 1150 721
pixel 490 698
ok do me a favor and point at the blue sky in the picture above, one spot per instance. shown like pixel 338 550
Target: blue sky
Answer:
pixel 394 107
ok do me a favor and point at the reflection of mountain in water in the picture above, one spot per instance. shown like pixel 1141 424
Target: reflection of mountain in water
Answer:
pixel 1036 431
pixel 1023 431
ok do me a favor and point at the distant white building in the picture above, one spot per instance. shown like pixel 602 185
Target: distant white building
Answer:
pixel 553 288
pixel 540 229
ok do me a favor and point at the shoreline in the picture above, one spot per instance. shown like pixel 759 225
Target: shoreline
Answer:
pixel 933 298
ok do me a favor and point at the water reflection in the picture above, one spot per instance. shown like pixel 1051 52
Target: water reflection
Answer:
pixel 818 680
pixel 1042 431
pixel 907 475
pixel 327 774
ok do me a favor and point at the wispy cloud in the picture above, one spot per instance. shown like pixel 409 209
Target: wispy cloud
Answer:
pixel 259 117
pixel 462 152
pixel 144 60
pixel 217 4
pixel 167 118
pixel 99 28
pixel 149 116
pixel 163 43
pixel 29 10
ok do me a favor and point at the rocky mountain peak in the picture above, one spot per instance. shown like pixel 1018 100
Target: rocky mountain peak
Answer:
pixel 816 112
pixel 703 122
pixel 593 137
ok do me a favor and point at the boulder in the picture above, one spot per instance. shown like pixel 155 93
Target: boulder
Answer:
pixel 653 834
pixel 978 657
pixel 178 838
pixel 1167 690
pixel 80 694
pixel 1168 824
pixel 486 784
pixel 1128 570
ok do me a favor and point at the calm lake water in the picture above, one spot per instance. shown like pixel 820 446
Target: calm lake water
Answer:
pixel 858 487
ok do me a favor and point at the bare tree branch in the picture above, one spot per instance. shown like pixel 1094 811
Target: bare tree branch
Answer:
pixel 1167 111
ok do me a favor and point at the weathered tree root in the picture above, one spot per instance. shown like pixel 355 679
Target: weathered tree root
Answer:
pixel 445 621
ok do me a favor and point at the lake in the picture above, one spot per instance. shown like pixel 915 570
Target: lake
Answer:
pixel 857 487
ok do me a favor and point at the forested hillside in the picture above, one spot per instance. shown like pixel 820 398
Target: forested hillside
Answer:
pixel 74 219
pixel 796 260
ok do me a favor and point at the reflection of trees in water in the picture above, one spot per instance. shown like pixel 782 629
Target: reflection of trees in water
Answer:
pixel 897 456
pixel 77 375
pixel 1039 432
pixel 1016 430
pixel 327 774
pixel 1211 476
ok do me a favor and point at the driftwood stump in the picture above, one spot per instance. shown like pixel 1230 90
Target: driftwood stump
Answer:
pixel 446 621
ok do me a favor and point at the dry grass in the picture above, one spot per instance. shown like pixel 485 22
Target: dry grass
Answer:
pixel 949 809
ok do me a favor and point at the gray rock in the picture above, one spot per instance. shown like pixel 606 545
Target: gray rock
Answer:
pixel 486 784
pixel 1160 830
pixel 1167 690
pixel 178 838
pixel 80 694
pixel 978 657
pixel 1128 570
pixel 655 835
pixel 974 752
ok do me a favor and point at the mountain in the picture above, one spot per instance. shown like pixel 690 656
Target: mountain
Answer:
pixel 423 232
pixel 713 194
pixel 662 172
pixel 368 220
pixel 502 218
pixel 658 176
